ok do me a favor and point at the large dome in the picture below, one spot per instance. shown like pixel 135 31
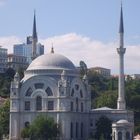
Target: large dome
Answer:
pixel 51 61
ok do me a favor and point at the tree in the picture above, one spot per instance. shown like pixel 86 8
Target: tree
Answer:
pixel 107 98
pixel 103 128
pixel 42 128
pixel 4 118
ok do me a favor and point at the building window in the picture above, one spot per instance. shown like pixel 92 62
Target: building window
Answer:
pixel 91 123
pixel 71 130
pixel 26 124
pixel 127 135
pixel 50 105
pixel 49 91
pixel 72 92
pixel 119 135
pixel 77 126
pixel 29 91
pixel 38 103
pixel 81 94
pixel 82 107
pixel 81 130
pixel 27 105
pixel 71 106
pixel 77 87
pixel 76 104
pixel 39 85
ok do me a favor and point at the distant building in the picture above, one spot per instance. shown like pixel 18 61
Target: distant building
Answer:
pixel 135 76
pixel 26 49
pixel 31 49
pixel 3 59
pixel 101 71
pixel 16 62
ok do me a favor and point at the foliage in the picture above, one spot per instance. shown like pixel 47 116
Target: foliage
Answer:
pixel 42 128
pixel 107 98
pixel 4 118
pixel 103 128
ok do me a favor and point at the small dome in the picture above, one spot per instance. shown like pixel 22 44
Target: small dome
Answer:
pixel 51 61
pixel 122 121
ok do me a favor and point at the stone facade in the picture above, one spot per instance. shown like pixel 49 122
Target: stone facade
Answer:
pixel 52 86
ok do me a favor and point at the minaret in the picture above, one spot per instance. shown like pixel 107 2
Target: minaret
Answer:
pixel 34 39
pixel 121 51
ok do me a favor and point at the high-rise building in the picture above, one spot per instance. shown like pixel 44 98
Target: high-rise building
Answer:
pixel 31 49
pixel 3 59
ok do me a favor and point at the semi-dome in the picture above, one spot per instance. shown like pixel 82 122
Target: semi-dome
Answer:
pixel 122 121
pixel 51 61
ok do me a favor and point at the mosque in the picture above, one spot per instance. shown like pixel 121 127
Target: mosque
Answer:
pixel 52 86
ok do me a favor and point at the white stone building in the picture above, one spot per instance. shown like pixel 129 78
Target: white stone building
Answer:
pixel 52 86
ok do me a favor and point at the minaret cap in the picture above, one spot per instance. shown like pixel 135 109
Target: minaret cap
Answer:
pixel 34 35
pixel 121 28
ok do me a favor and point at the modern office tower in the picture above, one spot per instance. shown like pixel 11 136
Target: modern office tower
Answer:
pixel 3 59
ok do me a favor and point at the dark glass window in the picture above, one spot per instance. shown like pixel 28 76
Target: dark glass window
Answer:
pixel 81 130
pixel 91 123
pixel 77 126
pixel 27 124
pixel 29 92
pixel 119 135
pixel 49 91
pixel 50 105
pixel 39 85
pixel 77 87
pixel 82 107
pixel 71 106
pixel 81 93
pixel 38 103
pixel 76 104
pixel 72 92
pixel 27 105
pixel 71 130
pixel 127 135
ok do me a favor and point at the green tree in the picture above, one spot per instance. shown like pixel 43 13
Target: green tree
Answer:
pixel 103 128
pixel 42 128
pixel 107 98
pixel 4 118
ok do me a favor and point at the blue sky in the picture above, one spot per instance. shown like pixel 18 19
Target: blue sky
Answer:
pixel 89 22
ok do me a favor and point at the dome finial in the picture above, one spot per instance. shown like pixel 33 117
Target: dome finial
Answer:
pixel 52 49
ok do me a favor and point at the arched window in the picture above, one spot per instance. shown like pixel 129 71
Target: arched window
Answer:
pixel 77 126
pixel 82 130
pixel 81 94
pixel 29 92
pixel 26 124
pixel 49 91
pixel 38 103
pixel 127 135
pixel 82 107
pixel 71 130
pixel 76 104
pixel 72 92
pixel 71 106
pixel 119 135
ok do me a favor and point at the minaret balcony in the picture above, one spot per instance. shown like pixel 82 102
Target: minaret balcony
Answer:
pixel 121 50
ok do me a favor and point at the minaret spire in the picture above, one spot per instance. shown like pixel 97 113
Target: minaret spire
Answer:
pixel 34 38
pixel 121 29
pixel 121 51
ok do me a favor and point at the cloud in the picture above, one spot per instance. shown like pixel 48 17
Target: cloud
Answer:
pixel 92 52
pixel 8 42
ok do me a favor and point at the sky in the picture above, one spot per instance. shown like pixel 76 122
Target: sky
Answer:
pixel 79 29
